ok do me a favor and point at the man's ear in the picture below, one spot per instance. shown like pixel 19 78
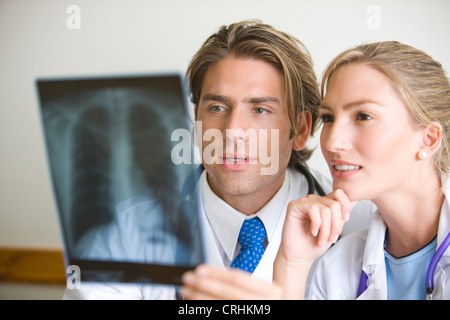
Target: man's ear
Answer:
pixel 303 131
pixel 431 138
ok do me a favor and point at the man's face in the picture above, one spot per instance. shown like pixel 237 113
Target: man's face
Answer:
pixel 241 96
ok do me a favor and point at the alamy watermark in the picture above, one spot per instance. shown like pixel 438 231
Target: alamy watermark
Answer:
pixel 373 21
pixel 74 277
pixel 73 21
pixel 237 147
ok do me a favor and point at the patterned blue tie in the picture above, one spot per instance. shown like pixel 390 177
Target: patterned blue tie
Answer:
pixel 251 238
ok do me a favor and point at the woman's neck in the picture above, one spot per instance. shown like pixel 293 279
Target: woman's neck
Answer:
pixel 412 216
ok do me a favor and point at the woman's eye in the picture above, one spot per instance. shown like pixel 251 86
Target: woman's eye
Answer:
pixel 363 117
pixel 326 118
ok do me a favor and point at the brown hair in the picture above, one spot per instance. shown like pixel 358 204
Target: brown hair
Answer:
pixel 419 80
pixel 254 40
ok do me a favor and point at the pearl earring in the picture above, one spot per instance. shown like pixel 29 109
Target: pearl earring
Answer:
pixel 423 155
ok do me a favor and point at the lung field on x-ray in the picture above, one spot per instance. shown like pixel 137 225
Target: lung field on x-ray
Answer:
pixel 110 143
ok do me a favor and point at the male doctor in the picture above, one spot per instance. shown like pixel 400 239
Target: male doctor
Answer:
pixel 256 98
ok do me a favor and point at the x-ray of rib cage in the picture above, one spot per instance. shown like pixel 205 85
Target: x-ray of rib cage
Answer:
pixel 109 149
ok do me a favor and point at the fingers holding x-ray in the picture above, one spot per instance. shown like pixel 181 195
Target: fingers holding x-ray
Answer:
pixel 209 282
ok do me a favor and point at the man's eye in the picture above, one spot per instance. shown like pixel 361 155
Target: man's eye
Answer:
pixel 216 108
pixel 260 110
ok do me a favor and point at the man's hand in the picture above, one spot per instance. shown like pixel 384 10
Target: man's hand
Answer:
pixel 208 282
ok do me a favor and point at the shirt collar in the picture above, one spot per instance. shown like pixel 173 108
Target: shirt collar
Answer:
pixel 226 221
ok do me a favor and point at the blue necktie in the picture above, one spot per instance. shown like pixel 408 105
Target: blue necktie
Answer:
pixel 251 238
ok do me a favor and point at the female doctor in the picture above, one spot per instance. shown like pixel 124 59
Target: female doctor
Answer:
pixel 385 137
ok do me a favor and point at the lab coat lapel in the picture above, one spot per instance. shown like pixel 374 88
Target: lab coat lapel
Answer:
pixel 441 277
pixel 376 282
pixel 444 219
pixel 373 262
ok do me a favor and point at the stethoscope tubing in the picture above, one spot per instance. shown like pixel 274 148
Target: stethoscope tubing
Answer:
pixel 434 261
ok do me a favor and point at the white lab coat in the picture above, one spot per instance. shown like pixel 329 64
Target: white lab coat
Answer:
pixel 338 272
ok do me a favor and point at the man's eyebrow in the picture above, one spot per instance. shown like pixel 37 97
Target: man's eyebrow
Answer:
pixel 263 99
pixel 224 99
pixel 216 97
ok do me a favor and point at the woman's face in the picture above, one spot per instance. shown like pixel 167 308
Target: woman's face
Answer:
pixel 368 137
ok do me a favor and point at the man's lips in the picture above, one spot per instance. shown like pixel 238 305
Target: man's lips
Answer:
pixel 237 161
pixel 238 157
pixel 231 159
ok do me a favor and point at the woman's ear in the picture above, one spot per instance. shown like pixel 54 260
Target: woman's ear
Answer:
pixel 431 138
pixel 303 131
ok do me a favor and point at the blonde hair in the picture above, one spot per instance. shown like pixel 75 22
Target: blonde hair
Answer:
pixel 255 40
pixel 419 80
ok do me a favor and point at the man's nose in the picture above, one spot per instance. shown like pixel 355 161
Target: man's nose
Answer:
pixel 237 125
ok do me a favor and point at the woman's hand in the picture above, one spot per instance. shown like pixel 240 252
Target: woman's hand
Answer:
pixel 208 282
pixel 312 224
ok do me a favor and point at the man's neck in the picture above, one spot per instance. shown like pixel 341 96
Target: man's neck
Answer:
pixel 251 203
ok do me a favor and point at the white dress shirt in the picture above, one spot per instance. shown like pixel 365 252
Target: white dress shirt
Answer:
pixel 226 222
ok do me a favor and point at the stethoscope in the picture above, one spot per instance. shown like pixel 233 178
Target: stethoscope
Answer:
pixel 430 271
pixel 313 184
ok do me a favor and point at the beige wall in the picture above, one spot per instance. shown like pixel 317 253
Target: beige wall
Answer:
pixel 144 36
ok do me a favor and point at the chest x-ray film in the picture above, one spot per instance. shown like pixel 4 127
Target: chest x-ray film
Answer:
pixel 128 213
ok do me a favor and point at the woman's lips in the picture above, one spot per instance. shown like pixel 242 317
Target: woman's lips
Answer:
pixel 343 169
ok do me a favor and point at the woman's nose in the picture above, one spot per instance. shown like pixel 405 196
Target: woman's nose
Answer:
pixel 336 137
